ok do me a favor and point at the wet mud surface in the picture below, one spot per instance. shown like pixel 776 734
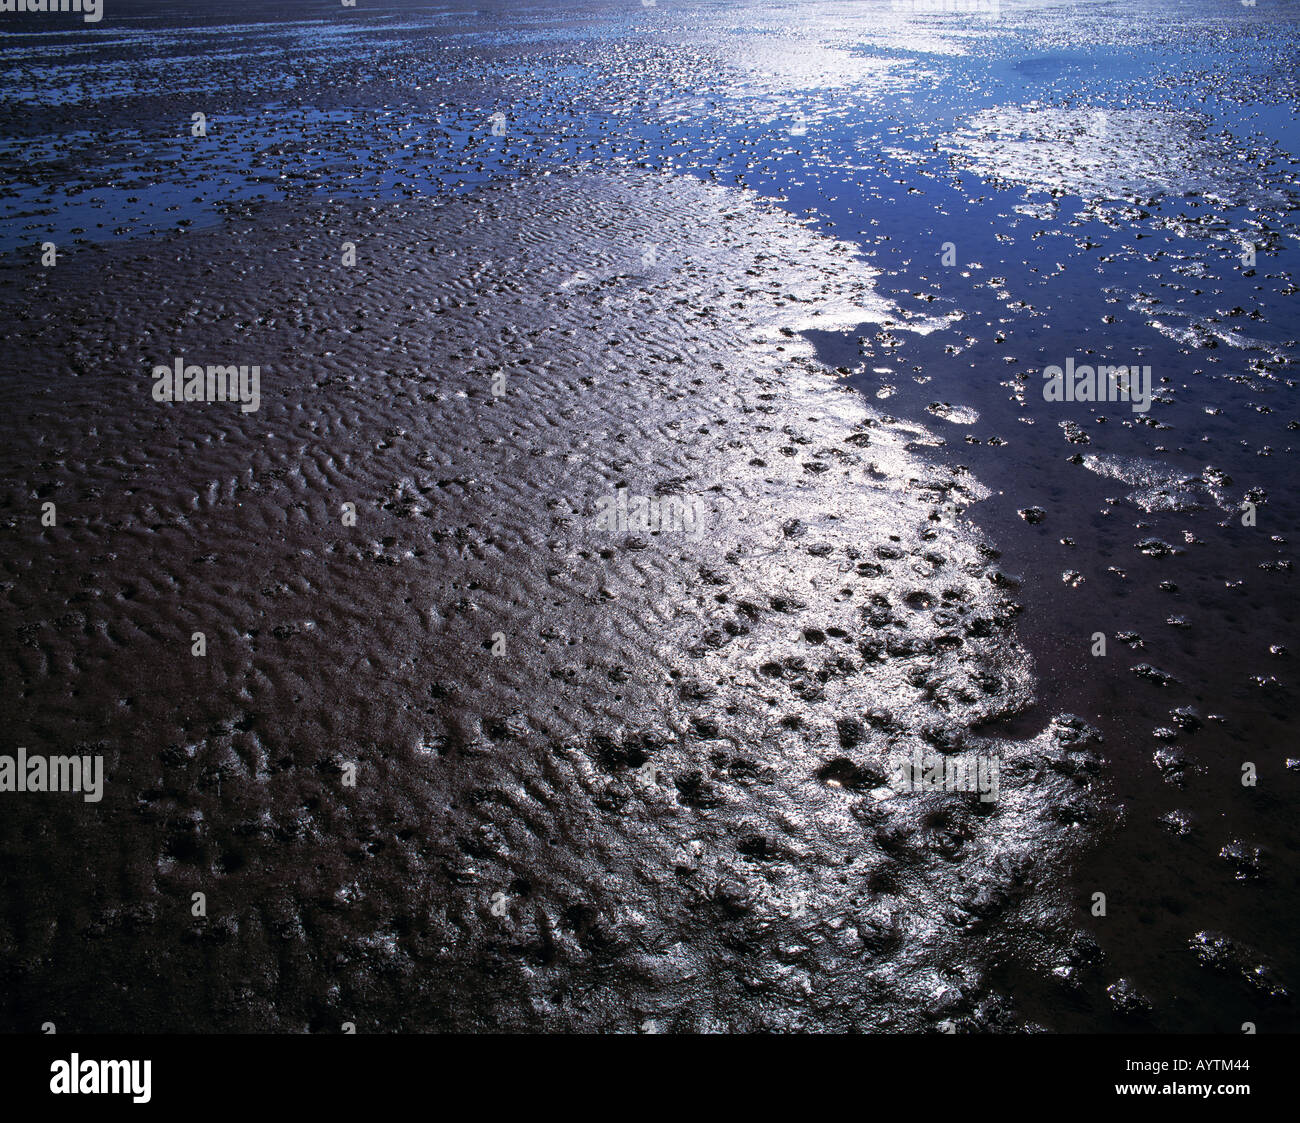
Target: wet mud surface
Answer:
pixel 664 801
pixel 630 779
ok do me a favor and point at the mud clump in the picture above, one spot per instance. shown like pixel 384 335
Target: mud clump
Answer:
pixel 1223 954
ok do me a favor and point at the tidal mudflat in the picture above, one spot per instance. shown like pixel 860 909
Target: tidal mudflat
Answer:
pixel 550 519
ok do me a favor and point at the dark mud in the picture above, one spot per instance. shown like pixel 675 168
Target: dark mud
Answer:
pixel 664 803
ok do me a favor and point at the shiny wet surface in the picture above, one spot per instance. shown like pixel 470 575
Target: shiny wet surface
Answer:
pixel 1096 170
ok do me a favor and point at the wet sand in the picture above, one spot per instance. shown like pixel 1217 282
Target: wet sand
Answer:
pixel 665 802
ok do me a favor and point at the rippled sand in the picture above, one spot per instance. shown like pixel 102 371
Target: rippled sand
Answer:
pixel 666 803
